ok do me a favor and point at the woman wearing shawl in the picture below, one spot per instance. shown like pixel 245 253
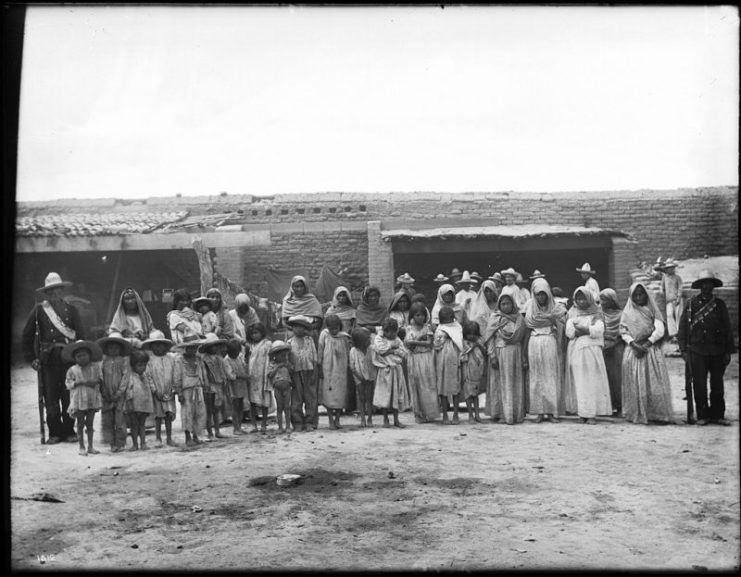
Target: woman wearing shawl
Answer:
pixel 614 347
pixel 243 317
pixel 585 374
pixel 399 309
pixel 184 322
pixel 343 307
pixel 504 336
pixel 484 304
pixel 545 320
pixel 299 301
pixel 370 314
pixel 446 298
pixel 131 320
pixel 224 321
pixel 646 388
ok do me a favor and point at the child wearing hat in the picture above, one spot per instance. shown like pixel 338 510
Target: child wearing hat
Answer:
pixel 83 381
pixel 139 402
pixel 304 358
pixel 161 371
pixel 114 366
pixel 237 384
pixel 190 379
pixel 332 352
pixel 280 374
pixel 212 352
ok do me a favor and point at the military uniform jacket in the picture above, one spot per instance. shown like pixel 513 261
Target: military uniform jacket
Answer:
pixel 49 335
pixel 705 328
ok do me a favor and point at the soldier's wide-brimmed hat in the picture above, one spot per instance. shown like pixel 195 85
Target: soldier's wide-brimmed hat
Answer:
pixel 302 320
pixel 466 278
pixel 199 301
pixel 405 278
pixel 537 274
pixel 68 352
pixel 156 337
pixel 279 346
pixel 509 271
pixel 117 338
pixel 670 263
pixel 455 274
pixel 441 278
pixel 53 280
pixel 707 275
pixel 210 340
pixel 586 267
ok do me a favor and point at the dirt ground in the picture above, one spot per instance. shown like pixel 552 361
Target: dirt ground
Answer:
pixel 435 497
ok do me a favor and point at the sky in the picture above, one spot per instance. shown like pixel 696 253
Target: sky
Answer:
pixel 137 101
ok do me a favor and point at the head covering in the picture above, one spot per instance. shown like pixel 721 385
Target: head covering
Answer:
pixel 397 297
pixel 456 306
pixel 543 316
pixel 125 345
pixel 611 311
pixel 369 314
pixel 509 271
pixel 156 337
pixel 189 341
pixel 302 320
pixel 476 276
pixel 497 278
pixel 405 279
pixel 210 340
pixel 636 320
pixel 343 311
pixel 305 305
pixel 455 274
pixel 466 278
pixel 519 279
pixel 214 291
pixel 481 310
pixel 586 268
pixel 591 307
pixel 68 352
pixel 707 275
pixel 440 278
pixel 670 263
pixel 278 346
pixel 53 280
pixel 242 299
pixel 121 322
pixel 537 274
pixel 199 301
pixel 510 326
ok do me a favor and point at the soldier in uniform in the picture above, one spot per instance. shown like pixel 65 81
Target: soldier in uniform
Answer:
pixel 706 341
pixel 52 324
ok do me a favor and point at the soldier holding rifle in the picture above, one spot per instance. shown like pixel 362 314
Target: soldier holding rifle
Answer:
pixel 52 324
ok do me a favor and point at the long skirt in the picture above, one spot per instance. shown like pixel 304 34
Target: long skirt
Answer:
pixel 193 410
pixel 647 392
pixel 589 377
pixel 505 396
pixel 392 390
pixel 568 391
pixel 614 365
pixel 421 371
pixel 545 374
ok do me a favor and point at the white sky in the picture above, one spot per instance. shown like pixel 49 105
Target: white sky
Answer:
pixel 151 101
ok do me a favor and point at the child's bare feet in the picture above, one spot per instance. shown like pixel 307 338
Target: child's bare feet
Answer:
pixel 591 421
pixel 134 448
pixel 539 419
pixel 220 436
pixel 470 418
pixel 190 443
pixel 386 424
pixel 82 452
pixel 144 447
pixel 456 421
pixel 92 451
pixel 370 422
pixel 171 443
pixel 363 425
pixel 399 425
pixel 477 419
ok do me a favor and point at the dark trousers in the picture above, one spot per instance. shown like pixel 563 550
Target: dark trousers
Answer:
pixel 701 366
pixel 304 400
pixel 56 399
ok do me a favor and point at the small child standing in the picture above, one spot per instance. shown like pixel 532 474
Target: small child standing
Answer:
pixel 448 345
pixel 114 366
pixel 216 372
pixel 364 373
pixel 391 392
pixel 333 349
pixel 237 383
pixel 84 379
pixel 190 379
pixel 209 319
pixel 260 391
pixel 161 371
pixel 280 375
pixel 421 364
pixel 473 369
pixel 303 358
pixel 139 402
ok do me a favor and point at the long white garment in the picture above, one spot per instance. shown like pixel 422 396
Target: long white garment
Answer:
pixel 466 295
pixel 586 367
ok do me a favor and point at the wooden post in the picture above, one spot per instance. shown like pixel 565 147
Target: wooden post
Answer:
pixel 112 300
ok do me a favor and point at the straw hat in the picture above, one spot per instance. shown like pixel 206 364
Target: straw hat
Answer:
pixel 497 277
pixel 519 279
pixel 537 274
pixel 586 267
pixel 189 341
pixel 707 275
pixel 200 300
pixel 405 279
pixel 441 279
pixel 68 352
pixel 156 337
pixel 466 278
pixel 210 340
pixel 477 277
pixel 509 271
pixel 53 280
pixel 455 274
pixel 278 346
pixel 126 346
pixel 302 320
pixel 670 263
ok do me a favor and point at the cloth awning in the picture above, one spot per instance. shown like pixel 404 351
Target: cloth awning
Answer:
pixel 501 231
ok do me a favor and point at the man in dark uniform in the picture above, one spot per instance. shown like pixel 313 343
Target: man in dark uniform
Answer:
pixel 52 324
pixel 706 340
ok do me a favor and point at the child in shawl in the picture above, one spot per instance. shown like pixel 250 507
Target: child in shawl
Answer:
pixel 280 373
pixel 391 392
pixel 190 379
pixel 473 369
pixel 243 316
pixel 446 298
pixel 209 321
pixel 224 325
pixel 184 322
pixel 237 383
pixel 646 388
pixel 399 311
pixel 260 391
pixel 504 339
pixel 131 320
pixel 448 346
pixel 484 304
pixel 333 352
pixel 545 320
pixel 370 314
pixel 421 365
pixel 114 366
pixel 614 347
pixel 139 403
pixel 343 308
pixel 586 372
pixel 299 301
pixel 83 380
pixel 304 358
pixel 161 371
pixel 363 372
pixel 217 373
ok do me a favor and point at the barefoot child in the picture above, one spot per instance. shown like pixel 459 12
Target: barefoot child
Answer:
pixel 364 373
pixel 448 345
pixel 392 392
pixel 161 371
pixel 237 383
pixel 421 364
pixel 209 320
pixel 190 379
pixel 473 369
pixel 83 380
pixel 333 351
pixel 115 364
pixel 303 358
pixel 139 401
pixel 216 373
pixel 281 380
pixel 260 393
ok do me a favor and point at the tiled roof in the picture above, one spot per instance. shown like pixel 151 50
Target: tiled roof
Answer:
pixel 95 224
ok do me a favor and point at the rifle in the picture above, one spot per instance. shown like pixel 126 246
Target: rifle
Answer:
pixel 688 373
pixel 39 375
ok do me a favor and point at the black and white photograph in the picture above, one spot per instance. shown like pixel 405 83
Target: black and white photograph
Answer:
pixel 372 288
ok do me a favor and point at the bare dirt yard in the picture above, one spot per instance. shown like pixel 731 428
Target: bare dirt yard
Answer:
pixel 435 497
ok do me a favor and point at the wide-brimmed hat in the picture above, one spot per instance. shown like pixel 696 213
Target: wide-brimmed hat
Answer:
pixel 68 352
pixel 441 278
pixel 126 346
pixel 466 277
pixel 53 280
pixel 586 267
pixel 509 271
pixel 537 274
pixel 210 340
pixel 302 320
pixel 156 337
pixel 496 277
pixel 405 278
pixel 278 346
pixel 455 274
pixel 477 277
pixel 707 274
pixel 670 263
pixel 196 302
pixel 519 279
pixel 189 341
